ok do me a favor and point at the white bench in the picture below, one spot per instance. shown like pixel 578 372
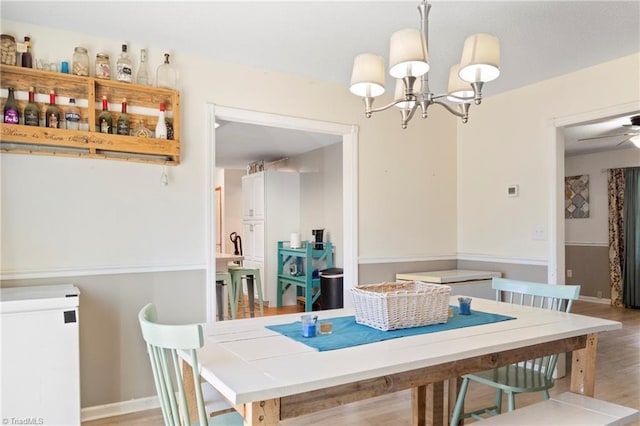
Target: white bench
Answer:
pixel 567 409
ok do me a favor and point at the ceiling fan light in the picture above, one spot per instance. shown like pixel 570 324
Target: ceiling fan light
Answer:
pixel 367 77
pixel 635 140
pixel 407 54
pixel 480 58
pixel 458 88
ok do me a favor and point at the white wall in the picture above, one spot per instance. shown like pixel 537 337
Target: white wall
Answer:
pixel 594 230
pixel 507 141
pixel 69 214
pixel 321 195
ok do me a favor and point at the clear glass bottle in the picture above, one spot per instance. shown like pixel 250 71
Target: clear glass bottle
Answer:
pixel 72 116
pixel 123 126
pixel 144 76
pixel 80 62
pixel 52 115
pixel 166 76
pixel 105 121
pixel 11 111
pixel 141 131
pixel 8 49
pixel 124 67
pixel 31 111
pixel 103 66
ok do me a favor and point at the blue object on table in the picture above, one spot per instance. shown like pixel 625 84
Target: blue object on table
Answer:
pixel 465 305
pixel 309 325
pixel 347 333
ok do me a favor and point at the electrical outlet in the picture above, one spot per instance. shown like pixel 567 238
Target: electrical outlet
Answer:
pixel 599 294
pixel 569 273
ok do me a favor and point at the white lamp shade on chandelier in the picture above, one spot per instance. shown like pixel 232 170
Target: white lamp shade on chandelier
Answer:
pixel 636 140
pixel 407 54
pixel 480 58
pixel 409 65
pixel 458 90
pixel 367 77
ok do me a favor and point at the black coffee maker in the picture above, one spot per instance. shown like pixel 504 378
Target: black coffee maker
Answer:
pixel 319 245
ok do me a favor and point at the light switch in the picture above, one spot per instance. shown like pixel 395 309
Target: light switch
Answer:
pixel 539 232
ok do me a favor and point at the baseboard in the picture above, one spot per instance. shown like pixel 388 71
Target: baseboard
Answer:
pixel 595 300
pixel 119 408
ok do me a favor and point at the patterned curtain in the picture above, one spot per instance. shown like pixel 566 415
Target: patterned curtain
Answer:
pixel 631 265
pixel 616 233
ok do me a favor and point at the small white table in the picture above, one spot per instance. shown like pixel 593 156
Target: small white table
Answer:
pixel 269 377
pixel 223 259
pixel 467 282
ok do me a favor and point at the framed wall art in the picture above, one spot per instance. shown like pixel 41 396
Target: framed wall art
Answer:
pixel 576 197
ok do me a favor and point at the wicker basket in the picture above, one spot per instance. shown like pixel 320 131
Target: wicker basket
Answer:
pixel 402 304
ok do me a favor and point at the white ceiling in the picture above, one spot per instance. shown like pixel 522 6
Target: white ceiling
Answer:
pixel 539 39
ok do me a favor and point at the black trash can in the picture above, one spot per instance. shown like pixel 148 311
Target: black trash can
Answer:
pixel 331 288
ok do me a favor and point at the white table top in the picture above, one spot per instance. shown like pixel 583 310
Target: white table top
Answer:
pixel 449 276
pixel 223 259
pixel 247 362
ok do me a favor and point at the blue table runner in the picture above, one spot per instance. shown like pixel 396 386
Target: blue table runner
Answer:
pixel 347 333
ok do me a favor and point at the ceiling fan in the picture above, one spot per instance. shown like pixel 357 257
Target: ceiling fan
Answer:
pixel 631 130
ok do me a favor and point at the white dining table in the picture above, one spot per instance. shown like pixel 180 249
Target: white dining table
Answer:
pixel 269 377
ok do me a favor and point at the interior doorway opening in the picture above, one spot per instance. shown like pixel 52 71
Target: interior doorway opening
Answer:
pixel 349 136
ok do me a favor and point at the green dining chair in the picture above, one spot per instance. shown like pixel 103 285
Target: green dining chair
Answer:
pixel 163 342
pixel 535 375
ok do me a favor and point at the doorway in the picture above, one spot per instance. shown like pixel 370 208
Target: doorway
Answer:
pixel 349 137
pixel 557 240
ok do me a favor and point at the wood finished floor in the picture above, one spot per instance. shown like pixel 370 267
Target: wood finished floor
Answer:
pixel 617 380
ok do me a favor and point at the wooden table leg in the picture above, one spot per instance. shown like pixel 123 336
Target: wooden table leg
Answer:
pixel 190 391
pixel 262 413
pixel 454 389
pixel 583 367
pixel 427 404
pixel 418 405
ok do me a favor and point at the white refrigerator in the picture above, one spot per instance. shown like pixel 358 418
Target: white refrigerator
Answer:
pixel 40 355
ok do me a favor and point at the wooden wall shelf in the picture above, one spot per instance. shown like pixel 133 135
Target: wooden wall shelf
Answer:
pixel 142 101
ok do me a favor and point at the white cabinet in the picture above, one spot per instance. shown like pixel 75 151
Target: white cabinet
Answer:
pixel 253 196
pixel 271 212
pixel 40 355
pixel 462 282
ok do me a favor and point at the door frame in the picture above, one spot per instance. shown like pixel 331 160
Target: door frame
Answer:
pixel 349 135
pixel 556 263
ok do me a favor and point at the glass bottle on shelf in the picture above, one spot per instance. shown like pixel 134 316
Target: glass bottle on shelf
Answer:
pixel 105 121
pixel 31 111
pixel 124 67
pixel 11 111
pixel 27 58
pixel 143 77
pixel 123 126
pixel 103 66
pixel 52 115
pixel 80 62
pixel 72 116
pixel 166 76
pixel 161 125
pixel 141 131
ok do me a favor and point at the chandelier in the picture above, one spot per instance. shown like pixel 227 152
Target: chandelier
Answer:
pixel 409 66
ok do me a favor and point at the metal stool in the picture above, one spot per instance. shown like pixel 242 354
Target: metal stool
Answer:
pixel 252 276
pixel 224 279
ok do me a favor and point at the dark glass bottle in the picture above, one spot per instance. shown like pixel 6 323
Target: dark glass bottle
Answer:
pixel 124 123
pixel 52 116
pixel 31 111
pixel 11 111
pixel 105 121
pixel 27 58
